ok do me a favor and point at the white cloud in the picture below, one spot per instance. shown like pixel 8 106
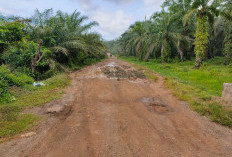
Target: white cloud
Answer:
pixel 112 24
pixel 6 11
pixel 152 6
pixel 121 1
pixel 153 2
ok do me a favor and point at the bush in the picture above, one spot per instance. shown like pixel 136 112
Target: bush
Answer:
pixel 8 79
pixel 17 79
pixel 10 32
pixel 47 74
pixel 3 86
pixel 90 61
pixel 20 58
pixel 21 55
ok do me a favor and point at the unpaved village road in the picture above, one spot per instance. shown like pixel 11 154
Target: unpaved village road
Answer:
pixel 116 112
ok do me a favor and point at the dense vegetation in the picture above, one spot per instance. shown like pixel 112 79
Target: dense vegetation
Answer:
pixel 43 45
pixel 41 48
pixel 183 29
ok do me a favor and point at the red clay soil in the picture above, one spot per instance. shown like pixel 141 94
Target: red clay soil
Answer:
pixel 123 117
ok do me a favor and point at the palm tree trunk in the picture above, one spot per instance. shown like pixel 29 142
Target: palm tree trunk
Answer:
pixel 182 55
pixel 38 57
pixel 149 52
pixel 228 43
pixel 228 59
pixel 201 40
pixel 199 59
pixel 164 48
pixel 141 53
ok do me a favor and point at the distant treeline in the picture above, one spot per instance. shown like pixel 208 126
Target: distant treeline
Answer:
pixel 183 29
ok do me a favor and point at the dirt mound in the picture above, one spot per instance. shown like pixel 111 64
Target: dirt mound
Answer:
pixel 156 105
pixel 123 72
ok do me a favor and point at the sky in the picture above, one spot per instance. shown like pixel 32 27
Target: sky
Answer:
pixel 114 16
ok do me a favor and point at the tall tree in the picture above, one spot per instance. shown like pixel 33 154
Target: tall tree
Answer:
pixel 227 13
pixel 205 11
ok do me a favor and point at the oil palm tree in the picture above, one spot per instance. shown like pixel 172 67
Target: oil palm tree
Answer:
pixel 205 11
pixel 178 9
pixel 64 33
pixel 168 34
pixel 226 12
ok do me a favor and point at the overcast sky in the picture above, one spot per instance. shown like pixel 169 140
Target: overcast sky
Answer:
pixel 113 16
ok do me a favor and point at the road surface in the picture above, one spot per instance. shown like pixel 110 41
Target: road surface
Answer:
pixel 116 112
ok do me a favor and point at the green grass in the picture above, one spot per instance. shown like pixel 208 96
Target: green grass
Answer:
pixel 30 96
pixel 23 122
pixel 197 87
pixel 151 75
pixel 12 121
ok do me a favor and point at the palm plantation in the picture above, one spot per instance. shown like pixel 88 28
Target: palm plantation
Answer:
pixel 182 29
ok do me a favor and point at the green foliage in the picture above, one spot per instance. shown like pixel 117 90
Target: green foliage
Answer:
pixel 209 78
pixel 21 55
pixel 67 36
pixel 214 111
pixel 113 46
pixel 10 32
pixel 167 53
pixel 17 79
pixel 21 124
pixel 178 29
pixel 228 42
pixel 201 40
pixel 8 79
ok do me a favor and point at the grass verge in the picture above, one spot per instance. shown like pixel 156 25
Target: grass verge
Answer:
pixel 12 121
pixel 197 87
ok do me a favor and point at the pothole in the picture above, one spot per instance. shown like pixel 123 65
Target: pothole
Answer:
pixel 156 105
pixel 114 71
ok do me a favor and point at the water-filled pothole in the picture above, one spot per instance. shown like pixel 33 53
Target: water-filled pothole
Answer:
pixel 156 105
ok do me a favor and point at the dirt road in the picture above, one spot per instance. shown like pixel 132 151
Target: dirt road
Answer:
pixel 116 112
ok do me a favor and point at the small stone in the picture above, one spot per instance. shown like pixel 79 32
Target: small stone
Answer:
pixel 29 134
pixel 55 109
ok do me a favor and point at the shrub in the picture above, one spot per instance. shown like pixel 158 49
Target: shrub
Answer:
pixel 21 55
pixel 8 79
pixel 20 58
pixel 47 74
pixel 10 32
pixel 17 79
pixel 90 61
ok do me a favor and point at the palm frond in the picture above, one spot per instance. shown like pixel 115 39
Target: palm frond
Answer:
pixel 188 15
pixel 60 49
